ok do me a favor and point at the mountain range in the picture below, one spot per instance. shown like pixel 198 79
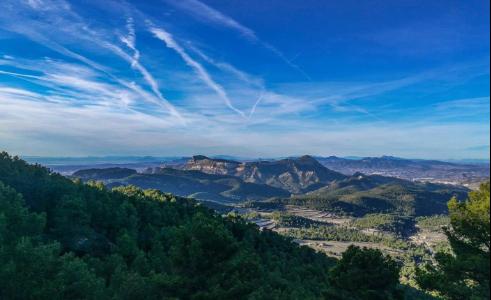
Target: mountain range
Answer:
pixel 467 172
pixel 303 181
pixel 193 184
pixel 410 169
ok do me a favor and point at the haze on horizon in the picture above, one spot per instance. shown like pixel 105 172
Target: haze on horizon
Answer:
pixel 245 78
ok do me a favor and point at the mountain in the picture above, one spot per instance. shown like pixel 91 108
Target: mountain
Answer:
pixel 301 181
pixel 361 194
pixel 411 169
pixel 68 240
pixel 296 175
pixel 104 174
pixel 194 184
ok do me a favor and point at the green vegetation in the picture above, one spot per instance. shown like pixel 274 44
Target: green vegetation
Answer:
pixel 377 194
pixel 365 274
pixel 345 234
pixel 66 240
pixel 287 220
pixel 193 184
pixel 385 222
pixel 463 273
pixel 433 223
pixel 61 239
pixel 272 204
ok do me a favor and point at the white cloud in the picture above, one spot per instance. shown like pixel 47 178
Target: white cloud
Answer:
pixel 98 97
pixel 65 129
pixel 36 4
pixel 200 70
pixel 71 25
pixel 228 68
pixel 480 104
pixel 130 40
pixel 210 14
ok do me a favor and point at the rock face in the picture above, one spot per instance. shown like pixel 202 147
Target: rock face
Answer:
pixel 212 166
pixel 297 175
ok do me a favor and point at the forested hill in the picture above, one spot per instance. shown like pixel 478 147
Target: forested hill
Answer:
pixel 361 194
pixel 67 240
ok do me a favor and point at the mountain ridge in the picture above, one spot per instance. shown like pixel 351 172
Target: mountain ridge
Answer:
pixel 296 175
pixel 410 169
pixel 188 183
pixel 302 181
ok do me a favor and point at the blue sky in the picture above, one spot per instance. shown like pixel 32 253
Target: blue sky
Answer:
pixel 247 78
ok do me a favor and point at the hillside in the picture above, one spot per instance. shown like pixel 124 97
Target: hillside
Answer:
pixel 362 194
pixel 66 240
pixel 195 184
pixel 297 175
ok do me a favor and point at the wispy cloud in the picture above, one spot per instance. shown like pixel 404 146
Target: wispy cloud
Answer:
pixel 60 10
pixel 130 40
pixel 200 70
pixel 36 4
pixel 211 15
pixel 78 130
pixel 254 82
pixel 469 104
pixel 228 68
pixel 93 86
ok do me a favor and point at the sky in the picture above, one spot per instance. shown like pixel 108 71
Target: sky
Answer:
pixel 256 78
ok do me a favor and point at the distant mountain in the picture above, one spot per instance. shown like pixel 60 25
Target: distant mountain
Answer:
pixel 104 174
pixel 194 184
pixel 411 169
pixel 94 160
pixel 296 175
pixel 361 194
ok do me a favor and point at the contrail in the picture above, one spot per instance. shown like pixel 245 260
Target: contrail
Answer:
pixel 199 69
pixel 205 12
pixel 253 110
pixel 130 40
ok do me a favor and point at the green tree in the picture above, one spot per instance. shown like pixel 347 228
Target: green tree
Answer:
pixel 61 239
pixel 31 268
pixel 365 274
pixel 463 273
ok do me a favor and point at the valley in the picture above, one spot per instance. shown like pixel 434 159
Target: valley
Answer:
pixel 332 233
pixel 302 199
pixel 292 212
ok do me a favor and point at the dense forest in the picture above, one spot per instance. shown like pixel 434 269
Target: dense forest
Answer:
pixel 64 239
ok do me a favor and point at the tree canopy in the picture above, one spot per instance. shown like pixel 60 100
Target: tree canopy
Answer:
pixel 365 274
pixel 464 273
